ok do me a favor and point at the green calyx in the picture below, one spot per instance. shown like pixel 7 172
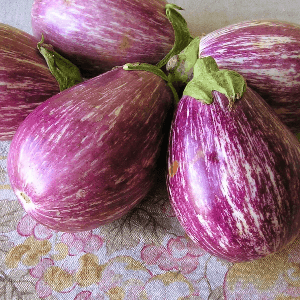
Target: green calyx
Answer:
pixel 153 69
pixel 181 32
pixel 66 73
pixel 298 136
pixel 180 67
pixel 208 77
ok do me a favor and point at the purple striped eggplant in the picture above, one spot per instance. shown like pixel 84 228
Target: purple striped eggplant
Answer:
pixel 234 176
pixel 25 80
pixel 267 54
pixel 97 35
pixel 86 156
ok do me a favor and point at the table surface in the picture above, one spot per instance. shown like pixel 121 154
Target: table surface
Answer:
pixel 130 258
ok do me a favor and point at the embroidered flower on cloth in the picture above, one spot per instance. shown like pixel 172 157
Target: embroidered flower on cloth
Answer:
pixel 84 241
pixel 180 254
pixel 51 278
pixel 27 226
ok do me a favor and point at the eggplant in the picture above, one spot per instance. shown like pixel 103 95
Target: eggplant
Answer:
pixel 86 156
pixel 233 169
pixel 266 53
pixel 97 35
pixel 25 80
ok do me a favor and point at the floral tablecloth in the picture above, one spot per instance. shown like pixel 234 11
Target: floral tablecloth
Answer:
pixel 144 255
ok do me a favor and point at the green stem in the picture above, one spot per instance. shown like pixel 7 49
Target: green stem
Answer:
pixel 181 32
pixel 180 67
pixel 155 70
pixel 66 73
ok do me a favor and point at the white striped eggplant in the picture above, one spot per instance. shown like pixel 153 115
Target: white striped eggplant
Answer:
pixel 86 156
pixel 234 172
pixel 25 80
pixel 267 54
pixel 97 35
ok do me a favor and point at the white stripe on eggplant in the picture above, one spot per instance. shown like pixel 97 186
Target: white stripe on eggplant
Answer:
pixel 112 177
pixel 248 201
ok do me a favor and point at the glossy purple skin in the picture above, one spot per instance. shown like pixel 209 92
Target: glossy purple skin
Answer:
pixel 25 80
pixel 98 35
pixel 86 156
pixel 234 176
pixel 267 54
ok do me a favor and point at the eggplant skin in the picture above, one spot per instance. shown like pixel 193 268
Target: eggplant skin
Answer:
pixel 86 156
pixel 266 53
pixel 234 176
pixel 25 80
pixel 97 35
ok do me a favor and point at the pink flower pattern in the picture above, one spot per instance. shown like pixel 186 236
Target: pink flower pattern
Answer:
pixel 116 275
pixel 84 241
pixel 27 226
pixel 84 295
pixel 43 289
pixel 181 254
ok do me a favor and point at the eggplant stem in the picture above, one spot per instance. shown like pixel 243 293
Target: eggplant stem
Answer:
pixel 155 70
pixel 180 67
pixel 181 32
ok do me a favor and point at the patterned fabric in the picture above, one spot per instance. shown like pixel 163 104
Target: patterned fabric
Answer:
pixel 144 255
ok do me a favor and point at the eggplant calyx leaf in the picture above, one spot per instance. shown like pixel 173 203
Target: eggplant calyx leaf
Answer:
pixel 208 77
pixel 180 67
pixel 181 32
pixel 298 136
pixel 155 70
pixel 65 72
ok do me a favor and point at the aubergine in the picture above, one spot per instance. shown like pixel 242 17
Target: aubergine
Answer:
pixel 234 169
pixel 265 52
pixel 86 156
pixel 25 80
pixel 97 35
